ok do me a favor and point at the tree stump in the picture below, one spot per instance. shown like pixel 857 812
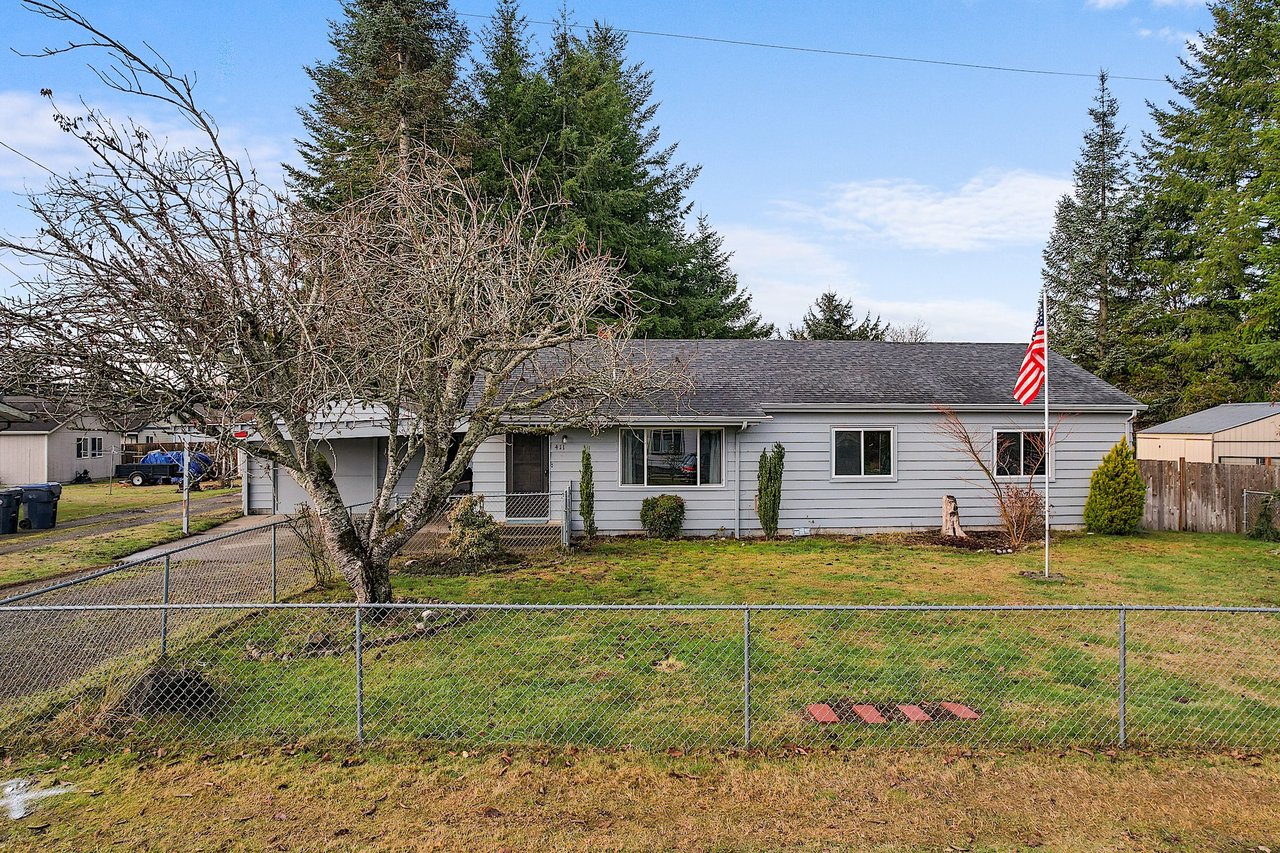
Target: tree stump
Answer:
pixel 951 517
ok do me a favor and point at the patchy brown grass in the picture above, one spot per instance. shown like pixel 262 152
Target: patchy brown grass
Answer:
pixel 534 800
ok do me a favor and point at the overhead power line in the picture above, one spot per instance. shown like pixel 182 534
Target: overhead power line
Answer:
pixel 1009 69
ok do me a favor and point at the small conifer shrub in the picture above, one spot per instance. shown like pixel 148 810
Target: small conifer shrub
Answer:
pixel 587 495
pixel 769 489
pixel 1116 493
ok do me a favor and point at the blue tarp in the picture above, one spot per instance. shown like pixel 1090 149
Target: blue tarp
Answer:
pixel 200 462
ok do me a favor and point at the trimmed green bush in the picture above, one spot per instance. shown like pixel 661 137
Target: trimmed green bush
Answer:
pixel 663 516
pixel 587 495
pixel 769 489
pixel 1116 493
pixel 473 534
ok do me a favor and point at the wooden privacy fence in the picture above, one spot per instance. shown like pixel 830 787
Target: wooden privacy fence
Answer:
pixel 1204 497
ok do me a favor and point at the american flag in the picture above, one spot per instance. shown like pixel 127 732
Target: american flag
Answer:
pixel 1031 374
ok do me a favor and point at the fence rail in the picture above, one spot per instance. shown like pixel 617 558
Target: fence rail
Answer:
pixel 652 676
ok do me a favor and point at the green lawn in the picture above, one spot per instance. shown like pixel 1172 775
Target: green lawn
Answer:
pixel 97 548
pixel 90 499
pixel 1154 568
pixel 48 554
pixel 675 678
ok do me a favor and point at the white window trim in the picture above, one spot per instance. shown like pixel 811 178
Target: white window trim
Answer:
pixel 866 478
pixel 1012 478
pixel 645 430
pixel 82 448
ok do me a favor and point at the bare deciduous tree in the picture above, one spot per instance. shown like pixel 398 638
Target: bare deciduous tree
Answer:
pixel 176 282
pixel 1020 506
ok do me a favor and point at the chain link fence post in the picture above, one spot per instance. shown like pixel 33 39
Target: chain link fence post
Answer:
pixel 274 528
pixel 164 614
pixel 746 678
pixel 359 678
pixel 1124 687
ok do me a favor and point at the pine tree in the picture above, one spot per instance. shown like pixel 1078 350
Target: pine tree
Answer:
pixel 1089 261
pixel 831 318
pixel 512 119
pixel 580 120
pixel 393 84
pixel 1210 189
pixel 1117 493
pixel 711 302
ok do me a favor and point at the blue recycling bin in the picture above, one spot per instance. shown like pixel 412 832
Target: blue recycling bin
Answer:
pixel 10 502
pixel 40 503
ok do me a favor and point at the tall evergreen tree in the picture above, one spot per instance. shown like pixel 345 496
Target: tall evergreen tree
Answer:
pixel 711 302
pixel 511 120
pixel 393 83
pixel 580 119
pixel 1089 267
pixel 831 318
pixel 1211 189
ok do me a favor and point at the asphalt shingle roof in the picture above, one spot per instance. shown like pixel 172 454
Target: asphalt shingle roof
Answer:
pixel 1217 419
pixel 740 378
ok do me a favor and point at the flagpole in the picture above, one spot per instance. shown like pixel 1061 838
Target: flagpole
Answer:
pixel 1044 305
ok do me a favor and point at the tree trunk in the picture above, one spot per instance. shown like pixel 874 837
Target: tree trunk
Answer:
pixel 951 517
pixel 369 578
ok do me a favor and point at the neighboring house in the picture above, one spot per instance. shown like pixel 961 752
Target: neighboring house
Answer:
pixel 1233 433
pixel 157 432
pixel 858 421
pixel 53 446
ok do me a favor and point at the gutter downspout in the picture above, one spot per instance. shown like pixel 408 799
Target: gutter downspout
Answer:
pixel 1133 433
pixel 737 481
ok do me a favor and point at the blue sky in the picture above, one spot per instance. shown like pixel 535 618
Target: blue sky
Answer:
pixel 919 191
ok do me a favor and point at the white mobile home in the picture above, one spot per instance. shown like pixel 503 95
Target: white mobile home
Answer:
pixel 859 422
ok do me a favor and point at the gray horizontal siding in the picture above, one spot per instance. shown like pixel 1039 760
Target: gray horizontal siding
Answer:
pixel 928 467
pixel 927 463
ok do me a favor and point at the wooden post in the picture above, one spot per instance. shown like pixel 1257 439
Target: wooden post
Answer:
pixel 1182 493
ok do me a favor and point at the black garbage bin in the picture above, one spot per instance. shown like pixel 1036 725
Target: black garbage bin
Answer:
pixel 10 501
pixel 40 502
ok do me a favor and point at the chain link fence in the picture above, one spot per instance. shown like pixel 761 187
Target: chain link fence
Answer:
pixel 645 677
pixel 530 522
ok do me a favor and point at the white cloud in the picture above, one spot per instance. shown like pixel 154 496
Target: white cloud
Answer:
pixel 992 209
pixel 785 273
pixel 27 125
pixel 1170 35
pixel 1106 4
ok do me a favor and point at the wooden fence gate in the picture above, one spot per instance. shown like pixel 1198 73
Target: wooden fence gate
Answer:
pixel 1204 497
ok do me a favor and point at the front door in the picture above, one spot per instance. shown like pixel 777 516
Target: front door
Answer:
pixel 528 476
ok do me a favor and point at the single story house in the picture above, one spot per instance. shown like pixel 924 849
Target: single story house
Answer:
pixel 1233 433
pixel 859 422
pixel 54 446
